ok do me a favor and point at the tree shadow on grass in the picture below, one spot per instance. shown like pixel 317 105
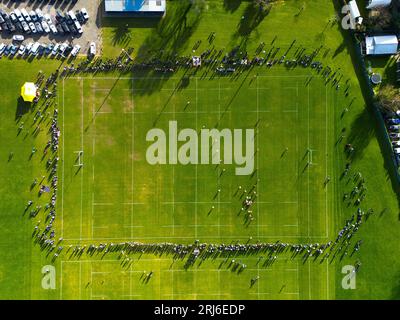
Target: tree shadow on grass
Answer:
pixel 168 38
pixel 253 15
pixel 361 133
pixel 22 108
pixel 232 5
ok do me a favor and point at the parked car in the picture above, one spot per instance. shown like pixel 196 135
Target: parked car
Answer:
pixel 35 48
pixel 62 48
pixel 13 50
pixel 32 27
pixel 60 16
pixel 394 127
pixel 45 27
pixel 394 121
pixel 25 27
pixel 53 29
pixel 7 49
pixel 39 14
pixel 394 135
pixel 19 15
pixel 49 48
pixel 47 18
pixel 38 26
pixel 18 25
pixel 33 15
pixel 18 37
pixel 55 49
pixel 75 50
pixel 26 15
pixel 65 27
pixel 2 48
pixel 60 28
pixel 92 49
pixel 72 15
pixel 13 18
pixel 21 50
pixel 85 14
pixel 29 47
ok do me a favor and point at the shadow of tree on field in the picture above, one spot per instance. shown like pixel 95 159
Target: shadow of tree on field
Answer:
pixel 253 15
pixel 169 38
pixel 361 132
pixel 396 291
pixel 232 5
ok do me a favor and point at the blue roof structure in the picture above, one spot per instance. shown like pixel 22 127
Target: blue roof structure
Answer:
pixel 135 6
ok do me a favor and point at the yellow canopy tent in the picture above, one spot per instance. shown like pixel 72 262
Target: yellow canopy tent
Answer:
pixel 28 91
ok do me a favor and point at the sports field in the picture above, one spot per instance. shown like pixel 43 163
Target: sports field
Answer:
pixel 109 193
pixel 117 196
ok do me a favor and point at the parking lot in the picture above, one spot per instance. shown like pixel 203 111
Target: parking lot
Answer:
pixel 91 31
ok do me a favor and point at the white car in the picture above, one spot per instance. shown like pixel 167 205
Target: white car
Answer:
pixel 21 50
pixel 26 15
pixel 19 15
pixel 394 127
pixel 85 14
pixel 2 47
pixel 32 27
pixel 18 37
pixel 47 18
pixel 397 150
pixel 45 27
pixel 29 47
pixel 55 49
pixel 63 47
pixel 35 48
pixel 75 50
pixel 39 14
pixel 92 49
pixel 72 15
pixel 78 27
pixel 53 29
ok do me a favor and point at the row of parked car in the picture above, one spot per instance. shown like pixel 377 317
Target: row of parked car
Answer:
pixel 35 22
pixel 36 49
pixel 393 126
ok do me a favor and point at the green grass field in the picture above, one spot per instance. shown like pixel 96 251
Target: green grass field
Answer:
pixel 117 196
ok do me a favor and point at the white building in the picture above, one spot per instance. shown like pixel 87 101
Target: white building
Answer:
pixel 381 45
pixel 372 4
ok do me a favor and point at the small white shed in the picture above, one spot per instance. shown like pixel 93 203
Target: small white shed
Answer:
pixel 355 13
pixel 381 45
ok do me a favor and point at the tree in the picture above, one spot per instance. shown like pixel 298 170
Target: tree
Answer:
pixel 380 19
pixel 388 98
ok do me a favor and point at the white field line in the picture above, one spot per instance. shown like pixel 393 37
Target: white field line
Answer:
pixel 81 173
pixel 308 171
pixel 63 164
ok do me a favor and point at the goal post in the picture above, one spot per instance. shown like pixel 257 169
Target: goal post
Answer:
pixel 79 158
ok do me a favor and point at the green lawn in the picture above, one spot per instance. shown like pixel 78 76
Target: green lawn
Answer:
pixel 117 196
